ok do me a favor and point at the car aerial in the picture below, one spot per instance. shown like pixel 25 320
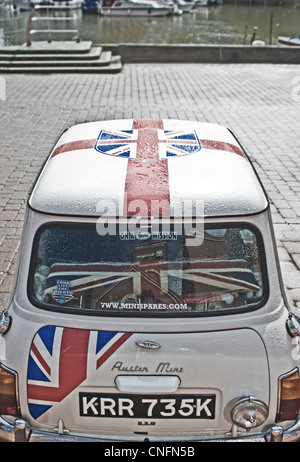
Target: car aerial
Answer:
pixel 148 303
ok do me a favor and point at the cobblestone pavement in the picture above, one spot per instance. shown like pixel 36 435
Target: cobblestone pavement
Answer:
pixel 260 103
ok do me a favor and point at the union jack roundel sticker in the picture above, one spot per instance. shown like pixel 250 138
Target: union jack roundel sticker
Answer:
pixel 157 143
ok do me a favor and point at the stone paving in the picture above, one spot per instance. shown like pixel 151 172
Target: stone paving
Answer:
pixel 260 103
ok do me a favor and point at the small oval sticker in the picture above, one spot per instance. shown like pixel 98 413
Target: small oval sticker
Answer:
pixel 143 235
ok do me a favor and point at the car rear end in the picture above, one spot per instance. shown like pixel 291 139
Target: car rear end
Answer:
pixel 129 328
pixel 148 361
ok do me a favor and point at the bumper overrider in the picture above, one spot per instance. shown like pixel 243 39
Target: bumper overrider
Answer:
pixel 20 431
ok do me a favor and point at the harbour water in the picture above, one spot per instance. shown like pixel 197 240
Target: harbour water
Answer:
pixel 228 23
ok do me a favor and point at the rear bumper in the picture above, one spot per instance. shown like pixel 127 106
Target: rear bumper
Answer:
pixel 21 432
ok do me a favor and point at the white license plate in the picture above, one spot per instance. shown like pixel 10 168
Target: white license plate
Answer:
pixel 148 406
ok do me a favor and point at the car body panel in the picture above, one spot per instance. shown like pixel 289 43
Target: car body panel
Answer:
pixel 66 362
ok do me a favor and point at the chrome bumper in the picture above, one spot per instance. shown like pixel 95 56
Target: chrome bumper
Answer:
pixel 21 432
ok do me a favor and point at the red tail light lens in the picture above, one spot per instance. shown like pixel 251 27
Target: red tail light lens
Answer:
pixel 8 391
pixel 289 396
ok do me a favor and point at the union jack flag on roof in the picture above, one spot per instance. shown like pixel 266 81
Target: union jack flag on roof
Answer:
pixel 123 143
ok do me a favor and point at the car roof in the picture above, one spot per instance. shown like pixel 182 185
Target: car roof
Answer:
pixel 148 167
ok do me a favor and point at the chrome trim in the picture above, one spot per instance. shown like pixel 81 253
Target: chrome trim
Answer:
pixel 8 433
pixel 5 322
pixel 276 434
pixel 250 408
pixel 148 344
pixel 293 325
pixel 21 431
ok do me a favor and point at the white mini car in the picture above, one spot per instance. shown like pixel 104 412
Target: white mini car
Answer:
pixel 148 303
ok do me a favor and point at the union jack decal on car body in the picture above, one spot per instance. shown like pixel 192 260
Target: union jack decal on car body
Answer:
pixel 60 360
pixel 123 143
pixel 119 143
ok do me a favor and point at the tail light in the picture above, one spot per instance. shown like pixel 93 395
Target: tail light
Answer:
pixel 8 391
pixel 289 396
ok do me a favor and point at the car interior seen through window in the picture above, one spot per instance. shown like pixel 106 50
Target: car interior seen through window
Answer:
pixel 73 267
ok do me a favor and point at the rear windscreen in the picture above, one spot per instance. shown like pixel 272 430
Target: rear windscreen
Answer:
pixel 75 268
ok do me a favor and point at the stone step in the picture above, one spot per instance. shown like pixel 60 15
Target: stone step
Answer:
pixel 44 47
pixel 94 53
pixel 114 67
pixel 103 60
pixel 46 57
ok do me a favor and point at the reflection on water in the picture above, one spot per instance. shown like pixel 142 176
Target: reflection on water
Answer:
pixel 230 23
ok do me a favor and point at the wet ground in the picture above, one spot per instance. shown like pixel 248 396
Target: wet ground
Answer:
pixel 260 103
